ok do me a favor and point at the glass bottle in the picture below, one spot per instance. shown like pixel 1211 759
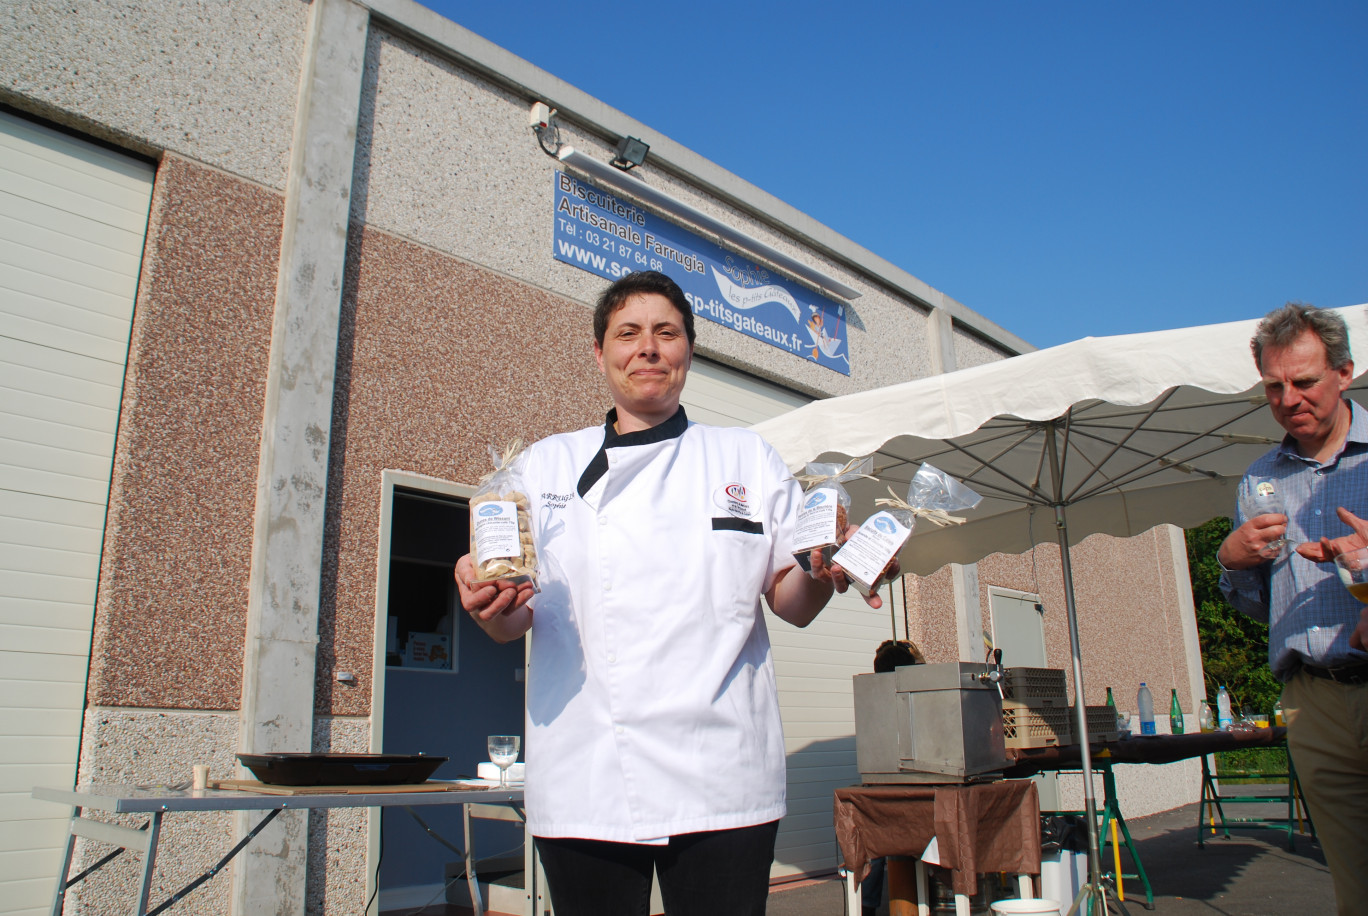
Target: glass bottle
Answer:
pixel 1175 715
pixel 1205 721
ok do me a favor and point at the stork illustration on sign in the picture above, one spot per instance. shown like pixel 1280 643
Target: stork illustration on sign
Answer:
pixel 823 341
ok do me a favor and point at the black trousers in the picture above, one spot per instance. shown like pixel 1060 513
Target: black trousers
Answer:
pixel 715 873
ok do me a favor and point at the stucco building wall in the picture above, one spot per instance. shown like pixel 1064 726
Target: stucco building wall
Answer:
pixel 457 328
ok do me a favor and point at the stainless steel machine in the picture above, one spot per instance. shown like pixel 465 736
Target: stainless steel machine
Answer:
pixel 930 724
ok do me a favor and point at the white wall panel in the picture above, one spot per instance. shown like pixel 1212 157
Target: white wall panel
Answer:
pixel 73 217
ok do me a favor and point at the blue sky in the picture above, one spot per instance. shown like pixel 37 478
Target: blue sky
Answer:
pixel 1064 169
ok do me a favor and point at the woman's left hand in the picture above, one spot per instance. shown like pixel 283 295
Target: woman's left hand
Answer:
pixel 835 575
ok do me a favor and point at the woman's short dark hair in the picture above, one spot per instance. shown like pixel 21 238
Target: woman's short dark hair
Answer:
pixel 1281 327
pixel 635 284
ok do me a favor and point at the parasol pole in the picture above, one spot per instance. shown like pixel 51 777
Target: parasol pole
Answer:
pixel 1093 890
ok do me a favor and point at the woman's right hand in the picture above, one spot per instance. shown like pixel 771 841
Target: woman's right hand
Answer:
pixel 498 606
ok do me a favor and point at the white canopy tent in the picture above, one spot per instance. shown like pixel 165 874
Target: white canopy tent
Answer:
pixel 1111 435
pixel 1147 429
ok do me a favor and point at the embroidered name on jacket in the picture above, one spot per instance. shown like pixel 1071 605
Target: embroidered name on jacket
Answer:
pixel 556 500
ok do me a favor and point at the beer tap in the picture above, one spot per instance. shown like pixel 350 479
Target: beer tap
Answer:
pixel 994 674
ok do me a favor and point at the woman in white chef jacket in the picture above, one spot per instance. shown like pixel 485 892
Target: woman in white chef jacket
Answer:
pixel 653 736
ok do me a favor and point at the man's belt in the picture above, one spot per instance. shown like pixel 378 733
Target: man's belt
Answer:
pixel 1345 674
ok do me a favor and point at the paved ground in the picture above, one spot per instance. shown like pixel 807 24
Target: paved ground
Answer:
pixel 1251 874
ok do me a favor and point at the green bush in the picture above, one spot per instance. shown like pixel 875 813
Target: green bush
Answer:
pixel 1235 767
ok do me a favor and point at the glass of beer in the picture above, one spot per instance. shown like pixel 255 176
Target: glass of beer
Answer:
pixel 1262 498
pixel 1352 567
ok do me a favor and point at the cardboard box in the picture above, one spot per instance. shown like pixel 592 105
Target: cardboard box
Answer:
pixel 428 650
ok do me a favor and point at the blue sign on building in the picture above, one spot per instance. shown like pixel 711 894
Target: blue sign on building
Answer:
pixel 598 232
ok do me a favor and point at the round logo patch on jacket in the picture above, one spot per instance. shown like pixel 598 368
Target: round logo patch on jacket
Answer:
pixel 734 499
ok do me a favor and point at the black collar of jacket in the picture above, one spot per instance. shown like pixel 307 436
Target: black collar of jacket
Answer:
pixel 672 428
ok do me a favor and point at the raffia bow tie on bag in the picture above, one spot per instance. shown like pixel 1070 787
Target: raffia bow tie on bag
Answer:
pixel 824 513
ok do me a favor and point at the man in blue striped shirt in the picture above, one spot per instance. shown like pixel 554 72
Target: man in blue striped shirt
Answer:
pixel 1317 630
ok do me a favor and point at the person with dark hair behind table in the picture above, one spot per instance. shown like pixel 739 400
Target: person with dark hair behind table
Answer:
pixel 653 735
pixel 1317 630
pixel 891 654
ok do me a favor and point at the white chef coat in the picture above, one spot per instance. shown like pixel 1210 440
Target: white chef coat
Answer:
pixel 652 708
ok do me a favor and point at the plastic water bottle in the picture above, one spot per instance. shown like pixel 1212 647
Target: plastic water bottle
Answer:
pixel 1145 700
pixel 1223 717
pixel 1175 715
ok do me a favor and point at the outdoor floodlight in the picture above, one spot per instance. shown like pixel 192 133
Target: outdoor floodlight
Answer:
pixel 631 152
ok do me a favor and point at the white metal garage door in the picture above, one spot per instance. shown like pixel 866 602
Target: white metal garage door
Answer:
pixel 73 216
pixel 814 665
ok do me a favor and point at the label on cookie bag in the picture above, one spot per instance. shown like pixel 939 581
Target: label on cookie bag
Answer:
pixel 868 551
pixel 496 531
pixel 816 522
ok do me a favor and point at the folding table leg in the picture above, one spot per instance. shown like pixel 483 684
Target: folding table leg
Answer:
pixel 529 874
pixel 1295 795
pixel 472 880
pixel 59 896
pixel 1210 805
pixel 853 894
pixel 543 897
pixel 149 862
pixel 1139 866
pixel 923 892
pixel 1112 814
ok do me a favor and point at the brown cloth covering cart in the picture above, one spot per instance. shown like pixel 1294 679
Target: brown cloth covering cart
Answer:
pixel 980 828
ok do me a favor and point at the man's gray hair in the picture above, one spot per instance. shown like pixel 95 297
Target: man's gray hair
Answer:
pixel 1281 327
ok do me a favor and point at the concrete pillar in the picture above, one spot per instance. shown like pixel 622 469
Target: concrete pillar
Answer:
pixel 940 335
pixel 287 549
pixel 1187 613
pixel 968 612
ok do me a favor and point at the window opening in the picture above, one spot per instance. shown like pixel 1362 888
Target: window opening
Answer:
pixel 429 533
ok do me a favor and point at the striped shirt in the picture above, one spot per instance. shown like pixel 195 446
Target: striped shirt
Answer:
pixel 1310 614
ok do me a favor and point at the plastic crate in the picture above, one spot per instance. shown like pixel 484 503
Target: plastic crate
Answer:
pixel 1034 726
pixel 1102 724
pixel 1035 686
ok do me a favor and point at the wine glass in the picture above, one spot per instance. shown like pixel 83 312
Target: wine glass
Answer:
pixel 503 751
pixel 1352 567
pixel 1261 497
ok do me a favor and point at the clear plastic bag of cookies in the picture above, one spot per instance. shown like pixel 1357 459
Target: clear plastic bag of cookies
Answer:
pixel 932 494
pixel 502 545
pixel 824 513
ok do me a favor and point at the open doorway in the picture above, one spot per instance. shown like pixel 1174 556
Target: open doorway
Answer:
pixel 442 685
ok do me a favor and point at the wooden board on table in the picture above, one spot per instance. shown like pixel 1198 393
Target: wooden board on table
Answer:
pixel 253 785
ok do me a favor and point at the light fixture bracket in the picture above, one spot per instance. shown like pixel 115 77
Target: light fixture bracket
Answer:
pixel 631 152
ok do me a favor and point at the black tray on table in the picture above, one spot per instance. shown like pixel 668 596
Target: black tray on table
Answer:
pixel 341 769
